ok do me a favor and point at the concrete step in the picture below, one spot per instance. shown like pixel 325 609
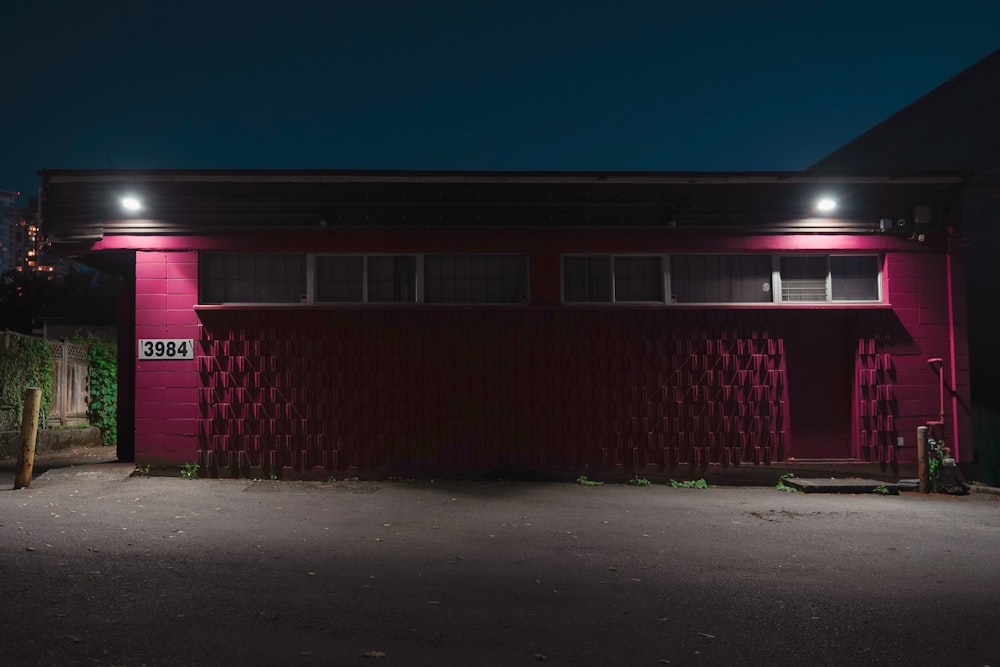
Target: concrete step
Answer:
pixel 833 485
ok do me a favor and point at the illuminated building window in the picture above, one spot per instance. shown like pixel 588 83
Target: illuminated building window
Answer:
pixel 820 278
pixel 722 279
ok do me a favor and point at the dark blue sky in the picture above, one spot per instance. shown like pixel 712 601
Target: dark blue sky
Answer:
pixel 474 84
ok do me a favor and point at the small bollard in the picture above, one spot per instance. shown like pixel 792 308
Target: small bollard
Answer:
pixel 29 434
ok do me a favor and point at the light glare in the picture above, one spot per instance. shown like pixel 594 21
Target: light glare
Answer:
pixel 826 204
pixel 131 204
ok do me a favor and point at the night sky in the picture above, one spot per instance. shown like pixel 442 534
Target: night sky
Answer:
pixel 474 84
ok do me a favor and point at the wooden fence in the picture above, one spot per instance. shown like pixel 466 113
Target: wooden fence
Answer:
pixel 70 384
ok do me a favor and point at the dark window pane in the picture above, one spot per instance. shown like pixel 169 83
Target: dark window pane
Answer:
pixel 392 279
pixel 638 279
pixel 338 279
pixel 586 279
pixel 475 278
pixel 854 278
pixel 252 277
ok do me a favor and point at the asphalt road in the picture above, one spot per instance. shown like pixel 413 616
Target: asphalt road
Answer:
pixel 100 569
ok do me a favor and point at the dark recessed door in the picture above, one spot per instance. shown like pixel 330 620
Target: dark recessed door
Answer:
pixel 819 362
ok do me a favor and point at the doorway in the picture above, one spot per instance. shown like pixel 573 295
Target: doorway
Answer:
pixel 819 363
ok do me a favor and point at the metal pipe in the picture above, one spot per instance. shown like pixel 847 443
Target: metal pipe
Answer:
pixel 923 483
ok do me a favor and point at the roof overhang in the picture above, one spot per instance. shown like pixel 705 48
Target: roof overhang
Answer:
pixel 83 205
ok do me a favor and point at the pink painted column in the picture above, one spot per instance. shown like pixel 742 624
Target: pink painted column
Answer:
pixel 166 391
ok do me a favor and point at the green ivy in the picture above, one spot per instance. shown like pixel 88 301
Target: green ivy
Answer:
pixel 102 407
pixel 25 361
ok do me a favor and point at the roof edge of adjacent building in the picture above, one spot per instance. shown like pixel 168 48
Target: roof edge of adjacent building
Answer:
pixel 855 149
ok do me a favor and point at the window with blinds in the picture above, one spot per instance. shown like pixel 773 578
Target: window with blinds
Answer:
pixel 720 279
pixel 252 278
pixel 830 278
pixel 804 278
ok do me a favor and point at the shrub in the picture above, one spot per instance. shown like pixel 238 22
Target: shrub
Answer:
pixel 102 407
pixel 25 361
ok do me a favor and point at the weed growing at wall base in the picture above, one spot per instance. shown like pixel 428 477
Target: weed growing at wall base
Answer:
pixel 190 470
pixel 689 484
pixel 781 486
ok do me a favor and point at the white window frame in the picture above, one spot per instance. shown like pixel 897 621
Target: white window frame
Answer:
pixel 777 292
pixel 309 297
pixel 879 263
pixel 747 304
pixel 775 284
pixel 776 279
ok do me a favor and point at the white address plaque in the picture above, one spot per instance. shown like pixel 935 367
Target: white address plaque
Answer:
pixel 166 348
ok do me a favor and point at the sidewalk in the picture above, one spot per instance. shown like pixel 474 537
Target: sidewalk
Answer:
pixel 77 459
pixel 810 480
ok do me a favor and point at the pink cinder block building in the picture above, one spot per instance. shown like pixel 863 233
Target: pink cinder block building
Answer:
pixel 308 324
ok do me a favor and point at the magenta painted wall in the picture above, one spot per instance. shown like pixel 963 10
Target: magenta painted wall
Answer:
pixel 299 391
pixel 450 389
pixel 927 292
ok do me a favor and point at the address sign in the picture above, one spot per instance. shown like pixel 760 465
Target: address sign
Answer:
pixel 166 348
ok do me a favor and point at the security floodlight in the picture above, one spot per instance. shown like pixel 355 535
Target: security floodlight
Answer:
pixel 826 204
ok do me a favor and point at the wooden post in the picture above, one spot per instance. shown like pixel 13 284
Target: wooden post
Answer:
pixel 924 482
pixel 29 434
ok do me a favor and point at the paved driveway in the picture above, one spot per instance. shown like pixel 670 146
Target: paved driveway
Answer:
pixel 102 569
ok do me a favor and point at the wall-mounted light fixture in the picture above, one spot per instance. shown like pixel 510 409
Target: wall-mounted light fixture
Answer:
pixel 131 203
pixel 826 204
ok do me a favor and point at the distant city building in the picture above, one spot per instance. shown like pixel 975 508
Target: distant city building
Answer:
pixel 23 245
